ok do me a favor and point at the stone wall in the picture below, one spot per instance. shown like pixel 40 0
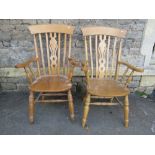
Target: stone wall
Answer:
pixel 16 44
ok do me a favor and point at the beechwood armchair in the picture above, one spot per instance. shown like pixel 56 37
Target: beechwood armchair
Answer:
pixel 52 69
pixel 103 49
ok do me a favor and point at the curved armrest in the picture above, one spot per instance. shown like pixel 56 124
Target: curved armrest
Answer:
pixel 74 63
pixel 127 79
pixel 26 63
pixel 131 66
pixel 28 70
pixel 85 68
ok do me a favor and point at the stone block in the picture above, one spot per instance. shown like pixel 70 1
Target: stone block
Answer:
pixel 25 43
pixel 147 81
pixel 6 43
pixel 1 45
pixel 79 44
pixel 142 20
pixel 17 80
pixel 4 21
pixel 124 21
pixel 137 27
pixel 149 90
pixel 8 86
pixel 14 43
pixel 136 78
pixel 9 57
pixel 78 53
pixel 22 87
pixel 132 90
pixel 134 51
pixel 136 44
pixel 137 60
pixel 73 22
pixel 41 21
pixel 135 34
pixel 5 36
pixel 16 21
pixel 17 35
pixel 21 28
pixel 134 84
pixel 141 89
pixel 56 21
pixel 29 21
pixel 7 28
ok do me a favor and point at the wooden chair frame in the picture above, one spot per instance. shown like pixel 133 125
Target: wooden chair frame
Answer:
pixel 52 42
pixel 102 80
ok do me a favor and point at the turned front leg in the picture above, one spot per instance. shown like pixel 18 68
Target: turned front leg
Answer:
pixel 126 112
pixel 71 105
pixel 86 110
pixel 31 107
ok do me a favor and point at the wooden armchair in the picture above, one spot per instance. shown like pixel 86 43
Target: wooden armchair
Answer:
pixel 52 68
pixel 103 48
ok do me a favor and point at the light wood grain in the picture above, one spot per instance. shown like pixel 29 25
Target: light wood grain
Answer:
pixel 100 30
pixel 37 55
pixel 59 46
pixel 113 56
pixel 96 50
pixel 42 54
pixel 57 28
pixel 48 55
pixel 50 82
pixel 91 57
pixel 108 52
pixel 64 56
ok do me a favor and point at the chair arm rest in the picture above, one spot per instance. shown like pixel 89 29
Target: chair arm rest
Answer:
pixel 84 66
pixel 131 66
pixel 85 69
pixel 26 63
pixel 74 62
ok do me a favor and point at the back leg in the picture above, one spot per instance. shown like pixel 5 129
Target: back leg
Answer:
pixel 31 107
pixel 71 105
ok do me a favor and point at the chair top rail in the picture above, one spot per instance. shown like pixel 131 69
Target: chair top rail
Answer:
pixel 47 28
pixel 100 30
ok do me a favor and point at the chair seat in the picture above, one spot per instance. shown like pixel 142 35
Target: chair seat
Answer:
pixel 106 88
pixel 51 83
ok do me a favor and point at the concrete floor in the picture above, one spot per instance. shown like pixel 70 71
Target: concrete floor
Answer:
pixel 52 119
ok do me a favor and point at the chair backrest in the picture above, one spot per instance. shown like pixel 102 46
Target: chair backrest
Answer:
pixel 103 46
pixel 52 43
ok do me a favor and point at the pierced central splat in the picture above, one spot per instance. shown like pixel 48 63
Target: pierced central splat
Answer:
pixel 102 57
pixel 53 49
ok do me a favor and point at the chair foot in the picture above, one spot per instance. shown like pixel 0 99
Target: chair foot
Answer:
pixel 72 117
pixel 31 120
pixel 83 123
pixel 31 108
pixel 126 124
